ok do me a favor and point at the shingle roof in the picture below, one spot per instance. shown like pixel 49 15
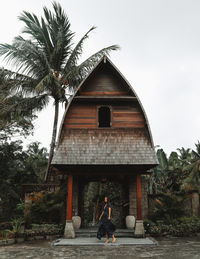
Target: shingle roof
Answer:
pixel 105 147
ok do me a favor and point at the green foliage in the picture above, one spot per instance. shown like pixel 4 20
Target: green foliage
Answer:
pixel 172 179
pixel 179 172
pixel 48 208
pixel 15 111
pixel 18 167
pixel 169 206
pixel 180 227
pixel 16 228
pixel 44 229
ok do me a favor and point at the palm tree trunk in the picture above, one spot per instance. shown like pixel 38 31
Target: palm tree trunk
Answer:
pixel 53 139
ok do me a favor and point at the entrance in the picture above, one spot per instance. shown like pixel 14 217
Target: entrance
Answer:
pixel 93 202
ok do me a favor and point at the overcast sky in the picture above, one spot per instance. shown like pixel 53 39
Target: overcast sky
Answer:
pixel 159 56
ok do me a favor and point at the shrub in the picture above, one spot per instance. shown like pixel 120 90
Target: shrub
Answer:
pixel 168 207
pixel 44 229
pixel 179 227
pixel 47 208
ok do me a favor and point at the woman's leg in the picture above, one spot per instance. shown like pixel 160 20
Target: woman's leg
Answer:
pixel 113 238
pixel 107 238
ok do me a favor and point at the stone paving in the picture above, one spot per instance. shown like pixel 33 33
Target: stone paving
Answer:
pixel 175 248
pixel 92 241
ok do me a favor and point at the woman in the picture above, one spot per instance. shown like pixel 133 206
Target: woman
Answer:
pixel 105 225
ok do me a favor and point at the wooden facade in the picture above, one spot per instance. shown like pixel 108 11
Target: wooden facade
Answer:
pixel 105 133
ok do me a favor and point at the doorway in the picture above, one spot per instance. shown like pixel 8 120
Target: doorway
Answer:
pixel 94 193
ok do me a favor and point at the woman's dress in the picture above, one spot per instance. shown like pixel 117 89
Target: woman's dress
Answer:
pixel 105 225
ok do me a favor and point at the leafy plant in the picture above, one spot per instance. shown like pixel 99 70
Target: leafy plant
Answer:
pixel 48 208
pixel 18 167
pixel 169 207
pixel 16 227
pixel 182 226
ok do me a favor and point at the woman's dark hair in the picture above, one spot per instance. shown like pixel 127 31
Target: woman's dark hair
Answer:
pixel 105 196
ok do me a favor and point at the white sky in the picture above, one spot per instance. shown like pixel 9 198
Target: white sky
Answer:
pixel 159 56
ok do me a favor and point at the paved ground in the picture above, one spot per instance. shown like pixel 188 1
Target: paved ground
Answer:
pixel 175 248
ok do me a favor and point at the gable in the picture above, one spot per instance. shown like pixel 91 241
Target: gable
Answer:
pixel 103 81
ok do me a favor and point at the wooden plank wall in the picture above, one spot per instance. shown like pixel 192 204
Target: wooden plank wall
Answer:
pixel 127 117
pixel 81 116
pixel 86 116
pixel 104 83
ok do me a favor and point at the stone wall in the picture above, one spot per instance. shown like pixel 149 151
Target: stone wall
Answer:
pixel 191 204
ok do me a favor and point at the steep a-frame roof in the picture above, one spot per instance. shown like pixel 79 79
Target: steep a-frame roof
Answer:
pixel 132 146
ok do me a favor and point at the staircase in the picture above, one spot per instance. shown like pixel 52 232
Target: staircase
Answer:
pixel 92 232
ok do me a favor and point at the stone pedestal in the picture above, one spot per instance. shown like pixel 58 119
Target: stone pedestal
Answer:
pixel 139 229
pixel 69 229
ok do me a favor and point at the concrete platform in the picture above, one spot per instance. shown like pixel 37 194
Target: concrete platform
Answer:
pixel 92 241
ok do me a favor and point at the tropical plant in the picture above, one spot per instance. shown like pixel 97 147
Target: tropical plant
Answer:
pixel 178 172
pixel 47 62
pixel 16 227
pixel 37 158
pixel 179 227
pixel 192 170
pixel 15 111
pixel 167 175
pixel 18 167
pixel 48 208
pixel 169 206
pixel 172 179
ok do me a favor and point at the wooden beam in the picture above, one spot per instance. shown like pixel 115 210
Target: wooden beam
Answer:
pixel 139 197
pixel 69 197
pixel 113 96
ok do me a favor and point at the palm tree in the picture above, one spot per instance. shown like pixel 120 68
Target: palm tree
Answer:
pixel 47 62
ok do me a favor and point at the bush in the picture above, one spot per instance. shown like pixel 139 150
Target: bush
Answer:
pixel 168 207
pixel 180 227
pixel 48 208
pixel 44 229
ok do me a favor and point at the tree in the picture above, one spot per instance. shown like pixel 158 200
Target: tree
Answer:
pixel 10 123
pixel 18 167
pixel 192 170
pixel 16 111
pixel 47 61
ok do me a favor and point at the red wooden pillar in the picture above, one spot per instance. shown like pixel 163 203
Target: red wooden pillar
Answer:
pixel 139 197
pixel 69 197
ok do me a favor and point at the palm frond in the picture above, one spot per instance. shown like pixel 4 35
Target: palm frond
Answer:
pixel 77 51
pixel 26 56
pixel 61 35
pixel 17 106
pixel 90 62
pixel 38 32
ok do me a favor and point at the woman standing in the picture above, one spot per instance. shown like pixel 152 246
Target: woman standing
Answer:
pixel 105 225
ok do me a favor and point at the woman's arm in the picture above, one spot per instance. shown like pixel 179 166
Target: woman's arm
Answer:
pixel 109 212
pixel 101 215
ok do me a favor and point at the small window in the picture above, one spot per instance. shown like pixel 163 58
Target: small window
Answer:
pixel 104 117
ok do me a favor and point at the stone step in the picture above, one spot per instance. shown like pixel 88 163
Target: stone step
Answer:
pixel 93 232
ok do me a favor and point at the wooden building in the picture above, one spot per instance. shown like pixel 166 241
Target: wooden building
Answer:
pixel 105 134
